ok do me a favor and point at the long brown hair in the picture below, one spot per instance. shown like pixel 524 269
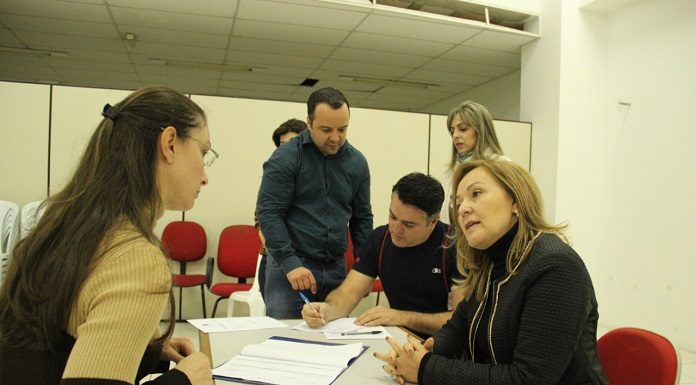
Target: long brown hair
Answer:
pixel 474 264
pixel 115 181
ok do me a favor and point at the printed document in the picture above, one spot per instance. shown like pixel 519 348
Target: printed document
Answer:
pixel 289 361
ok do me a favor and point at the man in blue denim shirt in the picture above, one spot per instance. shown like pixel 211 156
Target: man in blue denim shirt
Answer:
pixel 313 189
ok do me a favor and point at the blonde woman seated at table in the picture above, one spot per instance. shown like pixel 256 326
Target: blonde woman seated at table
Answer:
pixel 413 258
pixel 86 289
pixel 529 316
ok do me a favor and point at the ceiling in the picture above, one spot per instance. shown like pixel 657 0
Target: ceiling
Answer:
pixel 419 56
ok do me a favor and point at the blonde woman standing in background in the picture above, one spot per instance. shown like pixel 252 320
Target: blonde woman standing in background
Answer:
pixel 473 138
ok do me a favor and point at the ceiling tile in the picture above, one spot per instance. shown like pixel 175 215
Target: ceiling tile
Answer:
pixel 168 36
pixel 56 9
pixel 293 13
pixel 410 27
pixel 265 59
pixel 483 56
pixel 63 27
pixel 462 67
pixel 365 69
pixel 54 41
pixel 379 57
pixel 8 39
pixel 395 44
pixel 223 8
pixel 280 47
pixel 446 78
pixel 175 71
pixel 171 20
pixel 292 33
pixel 500 40
pixel 188 53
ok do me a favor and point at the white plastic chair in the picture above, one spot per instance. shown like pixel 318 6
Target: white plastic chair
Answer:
pixel 9 232
pixel 252 297
pixel 31 212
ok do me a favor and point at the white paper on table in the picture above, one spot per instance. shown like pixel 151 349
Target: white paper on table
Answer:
pixel 377 336
pixel 214 325
pixel 333 330
pixel 337 326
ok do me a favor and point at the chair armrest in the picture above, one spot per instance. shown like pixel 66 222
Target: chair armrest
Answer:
pixel 209 270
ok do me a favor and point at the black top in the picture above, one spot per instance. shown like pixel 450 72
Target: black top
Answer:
pixel 22 366
pixel 414 278
pixel 543 330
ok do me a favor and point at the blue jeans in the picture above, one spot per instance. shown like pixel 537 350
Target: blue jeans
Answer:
pixel 282 302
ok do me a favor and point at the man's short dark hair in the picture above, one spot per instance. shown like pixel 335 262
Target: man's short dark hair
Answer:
pixel 328 95
pixel 291 125
pixel 422 191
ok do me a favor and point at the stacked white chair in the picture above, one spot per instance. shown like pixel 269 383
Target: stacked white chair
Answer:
pixel 31 212
pixel 9 234
pixel 252 297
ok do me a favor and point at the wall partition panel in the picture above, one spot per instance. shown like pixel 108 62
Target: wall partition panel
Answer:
pixel 395 144
pixel 24 117
pixel 240 131
pixel 75 114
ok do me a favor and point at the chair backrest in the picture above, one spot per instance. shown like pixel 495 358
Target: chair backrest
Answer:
pixel 632 356
pixel 31 213
pixel 349 254
pixel 185 241
pixel 238 251
pixel 9 233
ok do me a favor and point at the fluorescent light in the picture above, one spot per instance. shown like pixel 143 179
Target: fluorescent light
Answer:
pixel 33 52
pixel 388 82
pixel 203 65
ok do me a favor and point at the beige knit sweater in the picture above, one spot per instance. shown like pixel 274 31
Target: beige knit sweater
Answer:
pixel 118 309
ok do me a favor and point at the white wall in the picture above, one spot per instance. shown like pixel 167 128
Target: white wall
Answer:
pixel 394 143
pixel 24 142
pixel 623 179
pixel 647 207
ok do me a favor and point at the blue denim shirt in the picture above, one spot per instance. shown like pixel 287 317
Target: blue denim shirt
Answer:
pixel 307 200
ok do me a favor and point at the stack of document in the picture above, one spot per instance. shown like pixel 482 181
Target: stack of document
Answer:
pixel 289 361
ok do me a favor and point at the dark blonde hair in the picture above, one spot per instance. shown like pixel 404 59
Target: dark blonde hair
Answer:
pixel 478 117
pixel 474 264
pixel 115 180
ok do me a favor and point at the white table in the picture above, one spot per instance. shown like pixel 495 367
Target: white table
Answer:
pixel 366 370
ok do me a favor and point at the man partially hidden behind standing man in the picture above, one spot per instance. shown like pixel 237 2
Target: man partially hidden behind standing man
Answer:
pixel 312 189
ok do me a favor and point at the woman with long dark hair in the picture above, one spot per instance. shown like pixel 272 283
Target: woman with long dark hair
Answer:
pixel 86 289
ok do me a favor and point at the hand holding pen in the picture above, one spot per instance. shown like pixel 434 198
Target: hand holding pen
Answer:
pixel 310 313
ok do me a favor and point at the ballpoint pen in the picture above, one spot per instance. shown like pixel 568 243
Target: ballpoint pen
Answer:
pixel 358 333
pixel 306 300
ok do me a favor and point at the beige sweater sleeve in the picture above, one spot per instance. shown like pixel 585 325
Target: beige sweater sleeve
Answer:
pixel 118 311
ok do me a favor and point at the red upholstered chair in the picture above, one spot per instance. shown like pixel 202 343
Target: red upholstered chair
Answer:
pixel 350 260
pixel 238 251
pixel 633 356
pixel 185 241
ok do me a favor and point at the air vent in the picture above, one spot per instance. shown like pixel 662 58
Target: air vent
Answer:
pixel 464 10
pixel 309 82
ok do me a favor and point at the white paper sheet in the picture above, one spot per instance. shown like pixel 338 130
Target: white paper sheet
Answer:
pixel 333 330
pixel 214 325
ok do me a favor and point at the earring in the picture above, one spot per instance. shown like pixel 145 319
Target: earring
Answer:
pixel 515 212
